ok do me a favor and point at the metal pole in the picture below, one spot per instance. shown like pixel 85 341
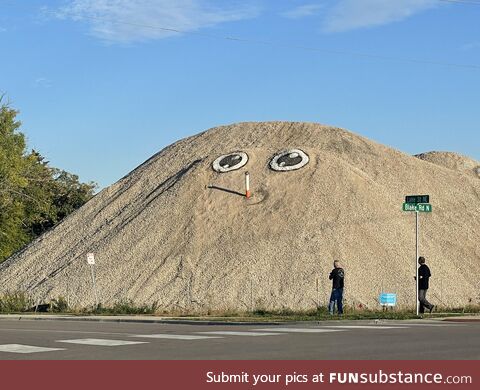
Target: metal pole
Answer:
pixel 94 285
pixel 68 290
pixel 251 294
pixel 416 260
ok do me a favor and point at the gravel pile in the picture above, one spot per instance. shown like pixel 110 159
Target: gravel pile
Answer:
pixel 177 232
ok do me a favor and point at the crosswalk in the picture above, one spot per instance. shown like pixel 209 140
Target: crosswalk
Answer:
pixel 20 348
pixel 195 336
pixel 248 333
pixel 365 327
pixel 101 342
pixel 300 330
pixel 176 336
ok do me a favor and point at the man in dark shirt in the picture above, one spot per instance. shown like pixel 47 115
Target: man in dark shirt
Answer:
pixel 423 276
pixel 337 277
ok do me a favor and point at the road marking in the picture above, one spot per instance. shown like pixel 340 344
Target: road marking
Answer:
pixel 299 330
pixel 364 327
pixel 426 324
pixel 176 336
pixel 102 342
pixel 64 331
pixel 229 333
pixel 20 348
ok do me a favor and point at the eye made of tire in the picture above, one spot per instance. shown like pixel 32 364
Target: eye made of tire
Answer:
pixel 289 160
pixel 230 162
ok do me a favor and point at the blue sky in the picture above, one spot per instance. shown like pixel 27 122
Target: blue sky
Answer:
pixel 104 84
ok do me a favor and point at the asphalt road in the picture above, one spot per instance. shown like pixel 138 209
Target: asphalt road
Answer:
pixel 71 340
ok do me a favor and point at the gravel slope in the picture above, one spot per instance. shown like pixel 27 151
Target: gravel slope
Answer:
pixel 168 233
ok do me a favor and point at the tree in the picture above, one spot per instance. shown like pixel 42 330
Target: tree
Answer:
pixel 33 196
pixel 12 182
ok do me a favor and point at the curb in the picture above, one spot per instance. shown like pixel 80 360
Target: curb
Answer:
pixel 163 320
pixel 467 319
pixel 134 320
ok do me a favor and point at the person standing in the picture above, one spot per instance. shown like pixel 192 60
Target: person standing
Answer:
pixel 337 277
pixel 424 275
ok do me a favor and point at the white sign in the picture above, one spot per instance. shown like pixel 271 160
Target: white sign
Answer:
pixel 90 258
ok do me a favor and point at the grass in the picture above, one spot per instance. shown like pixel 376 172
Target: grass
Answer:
pixel 21 302
pixel 286 315
pixel 125 307
pixel 319 314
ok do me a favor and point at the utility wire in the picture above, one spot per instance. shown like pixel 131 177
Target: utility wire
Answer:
pixel 287 45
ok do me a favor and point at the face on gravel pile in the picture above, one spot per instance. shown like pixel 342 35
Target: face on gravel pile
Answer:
pixel 286 160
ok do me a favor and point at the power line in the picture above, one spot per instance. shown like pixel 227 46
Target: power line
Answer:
pixel 290 46
pixel 287 45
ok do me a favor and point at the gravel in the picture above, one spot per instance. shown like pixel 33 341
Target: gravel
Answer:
pixel 176 232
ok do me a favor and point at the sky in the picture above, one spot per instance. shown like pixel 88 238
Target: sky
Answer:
pixel 101 85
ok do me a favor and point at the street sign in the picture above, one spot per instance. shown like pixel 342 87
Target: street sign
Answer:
pixel 417 199
pixel 409 207
pixel 419 204
pixel 91 261
pixel 91 258
pixel 423 208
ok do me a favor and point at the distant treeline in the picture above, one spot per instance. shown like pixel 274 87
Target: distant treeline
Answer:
pixel 33 195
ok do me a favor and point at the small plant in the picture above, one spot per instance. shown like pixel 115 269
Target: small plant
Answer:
pixel 16 302
pixel 260 312
pixel 472 309
pixel 59 305
pixel 259 309
pixel 127 307
pixel 322 311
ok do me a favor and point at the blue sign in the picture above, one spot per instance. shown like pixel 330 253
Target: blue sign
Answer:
pixel 388 299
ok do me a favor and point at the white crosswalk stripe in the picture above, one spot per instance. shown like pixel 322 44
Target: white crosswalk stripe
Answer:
pixel 298 330
pixel 426 325
pixel 364 327
pixel 229 333
pixel 176 336
pixel 102 342
pixel 20 348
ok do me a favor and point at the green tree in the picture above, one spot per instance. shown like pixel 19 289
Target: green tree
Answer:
pixel 12 182
pixel 52 195
pixel 33 196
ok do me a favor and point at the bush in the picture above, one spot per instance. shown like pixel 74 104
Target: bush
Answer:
pixel 16 302
pixel 125 307
pixel 59 305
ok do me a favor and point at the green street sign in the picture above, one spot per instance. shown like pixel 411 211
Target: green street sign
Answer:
pixel 417 199
pixel 409 207
pixel 424 208
pixel 421 207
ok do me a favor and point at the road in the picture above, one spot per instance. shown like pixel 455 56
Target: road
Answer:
pixel 71 340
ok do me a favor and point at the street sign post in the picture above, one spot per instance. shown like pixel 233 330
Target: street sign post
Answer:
pixel 418 204
pixel 91 262
pixel 422 208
